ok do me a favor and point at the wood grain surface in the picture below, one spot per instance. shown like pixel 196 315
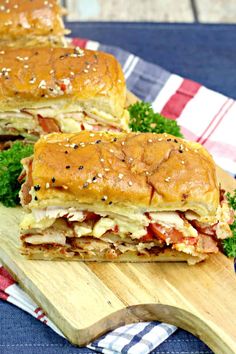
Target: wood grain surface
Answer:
pixel 86 300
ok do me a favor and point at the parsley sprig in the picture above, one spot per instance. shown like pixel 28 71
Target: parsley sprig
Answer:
pixel 144 119
pixel 10 169
pixel 230 243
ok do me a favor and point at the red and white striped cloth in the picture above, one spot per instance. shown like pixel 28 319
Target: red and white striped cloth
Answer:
pixel 205 116
pixel 12 293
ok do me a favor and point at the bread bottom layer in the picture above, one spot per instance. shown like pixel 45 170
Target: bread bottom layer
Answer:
pixel 58 253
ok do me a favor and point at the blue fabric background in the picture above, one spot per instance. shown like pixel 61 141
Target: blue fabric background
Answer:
pixel 205 53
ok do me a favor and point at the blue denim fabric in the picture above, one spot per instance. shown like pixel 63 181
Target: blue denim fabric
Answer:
pixel 20 333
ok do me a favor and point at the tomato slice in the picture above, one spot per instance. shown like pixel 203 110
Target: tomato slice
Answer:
pixel 173 235
pixel 48 125
pixel 148 237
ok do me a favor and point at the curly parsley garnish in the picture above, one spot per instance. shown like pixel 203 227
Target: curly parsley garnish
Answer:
pixel 144 119
pixel 10 169
pixel 230 243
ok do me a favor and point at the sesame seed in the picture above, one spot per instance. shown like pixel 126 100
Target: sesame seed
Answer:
pixel 16 6
pixel 130 159
pixel 75 146
pixel 42 84
pixel 160 139
pixel 167 179
pixel 26 66
pixel 182 162
pixel 175 140
pixel 115 139
pixel 89 180
pixel 85 71
pixel 104 198
pixel 102 160
pixel 85 185
pixel 67 167
pixel 111 150
pixel 51 71
pixel 120 175
pixel 99 175
pixel 91 135
pixel 130 183
pixel 72 73
pixel 168 140
pixel 80 167
pixel 94 180
pixel 150 140
pixel 106 169
pixel 147 173
pixel 122 143
pixel 2 52
pixel 32 80
pixel 35 198
pixel 47 185
pixel 79 51
pixel 82 144
pixel 94 69
pixel 98 141
pixel 37 187
pixel 19 58
pixel 110 203
pixel 53 179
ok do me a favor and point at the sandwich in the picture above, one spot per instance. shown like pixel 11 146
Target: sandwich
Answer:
pixel 45 90
pixel 121 197
pixel 31 24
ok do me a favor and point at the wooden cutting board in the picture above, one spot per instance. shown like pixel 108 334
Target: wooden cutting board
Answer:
pixel 86 300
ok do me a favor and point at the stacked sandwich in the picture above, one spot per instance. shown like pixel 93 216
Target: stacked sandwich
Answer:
pixel 93 190
pixel 44 90
pixel 107 196
pixel 31 23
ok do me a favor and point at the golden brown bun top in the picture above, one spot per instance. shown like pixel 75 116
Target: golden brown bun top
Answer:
pixel 35 75
pixel 149 171
pixel 25 17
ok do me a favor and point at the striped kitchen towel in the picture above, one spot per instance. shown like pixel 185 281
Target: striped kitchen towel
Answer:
pixel 205 116
pixel 139 338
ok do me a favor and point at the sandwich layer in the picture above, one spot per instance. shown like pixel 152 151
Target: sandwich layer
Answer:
pixel 58 89
pixel 136 196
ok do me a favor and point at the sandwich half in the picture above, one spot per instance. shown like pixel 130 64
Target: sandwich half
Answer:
pixel 25 23
pixel 45 90
pixel 136 197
